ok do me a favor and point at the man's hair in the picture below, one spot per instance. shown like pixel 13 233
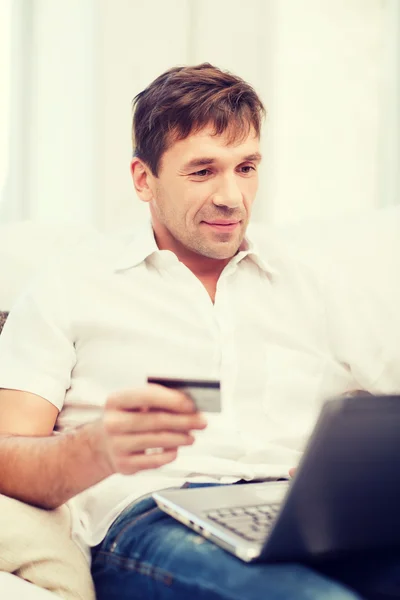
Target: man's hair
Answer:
pixel 184 100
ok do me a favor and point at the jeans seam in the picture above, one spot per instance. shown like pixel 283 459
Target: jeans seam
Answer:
pixel 137 566
pixel 165 577
pixel 131 523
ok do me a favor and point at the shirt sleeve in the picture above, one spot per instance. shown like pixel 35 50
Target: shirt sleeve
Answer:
pixel 37 352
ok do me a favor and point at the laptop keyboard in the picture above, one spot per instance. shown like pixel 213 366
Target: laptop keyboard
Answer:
pixel 250 522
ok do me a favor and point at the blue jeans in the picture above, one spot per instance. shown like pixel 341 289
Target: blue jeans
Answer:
pixel 147 554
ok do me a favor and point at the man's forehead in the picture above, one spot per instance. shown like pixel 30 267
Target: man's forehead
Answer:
pixel 232 136
pixel 207 143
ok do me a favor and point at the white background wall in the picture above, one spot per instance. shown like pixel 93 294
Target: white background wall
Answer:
pixel 5 62
pixel 324 68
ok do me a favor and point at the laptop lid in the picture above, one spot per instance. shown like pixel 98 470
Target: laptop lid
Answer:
pixel 345 496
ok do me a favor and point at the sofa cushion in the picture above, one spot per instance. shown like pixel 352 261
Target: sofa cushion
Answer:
pixel 12 586
pixel 36 545
pixel 26 247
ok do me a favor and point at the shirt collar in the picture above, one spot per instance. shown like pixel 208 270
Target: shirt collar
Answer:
pixel 139 247
pixel 251 250
pixel 142 245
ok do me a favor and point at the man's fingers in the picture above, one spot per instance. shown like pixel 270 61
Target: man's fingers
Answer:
pixel 118 422
pixel 292 471
pixel 128 444
pixel 139 462
pixel 136 422
pixel 151 396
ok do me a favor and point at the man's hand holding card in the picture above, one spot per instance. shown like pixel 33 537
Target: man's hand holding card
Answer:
pixel 206 394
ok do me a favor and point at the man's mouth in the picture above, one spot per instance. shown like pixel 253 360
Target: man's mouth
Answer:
pixel 222 224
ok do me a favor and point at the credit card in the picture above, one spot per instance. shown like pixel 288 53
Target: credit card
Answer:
pixel 205 394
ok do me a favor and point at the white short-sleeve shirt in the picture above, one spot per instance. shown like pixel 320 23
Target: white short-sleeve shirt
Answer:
pixel 112 314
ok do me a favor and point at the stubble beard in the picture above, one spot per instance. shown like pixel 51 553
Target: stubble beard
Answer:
pixel 198 243
pixel 220 249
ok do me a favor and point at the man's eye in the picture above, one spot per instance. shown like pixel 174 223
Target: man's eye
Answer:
pixel 247 168
pixel 202 173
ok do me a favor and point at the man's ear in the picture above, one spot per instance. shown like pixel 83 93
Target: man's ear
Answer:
pixel 142 179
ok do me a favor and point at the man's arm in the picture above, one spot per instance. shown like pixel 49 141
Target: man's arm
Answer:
pixel 46 469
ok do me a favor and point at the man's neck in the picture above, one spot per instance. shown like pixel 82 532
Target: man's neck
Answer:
pixel 201 266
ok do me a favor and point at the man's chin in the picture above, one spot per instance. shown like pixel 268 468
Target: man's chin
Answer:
pixel 221 247
pixel 220 253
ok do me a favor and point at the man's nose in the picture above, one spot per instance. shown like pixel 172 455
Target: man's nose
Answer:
pixel 228 194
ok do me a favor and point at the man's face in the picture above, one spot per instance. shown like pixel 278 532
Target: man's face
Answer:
pixel 204 193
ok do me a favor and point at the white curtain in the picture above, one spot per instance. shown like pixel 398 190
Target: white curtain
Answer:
pixel 389 155
pixel 327 71
pixel 5 79
pixel 53 117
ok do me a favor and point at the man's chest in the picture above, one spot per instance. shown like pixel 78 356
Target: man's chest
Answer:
pixel 266 345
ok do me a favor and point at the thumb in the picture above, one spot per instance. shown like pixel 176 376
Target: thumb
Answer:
pixel 292 471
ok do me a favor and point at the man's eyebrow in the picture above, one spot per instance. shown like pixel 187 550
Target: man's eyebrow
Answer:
pixel 198 162
pixel 207 161
pixel 256 157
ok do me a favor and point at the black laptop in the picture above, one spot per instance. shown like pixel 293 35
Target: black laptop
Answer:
pixel 344 498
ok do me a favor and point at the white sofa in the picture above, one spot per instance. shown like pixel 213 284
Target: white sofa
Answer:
pixel 15 588
pixel 367 248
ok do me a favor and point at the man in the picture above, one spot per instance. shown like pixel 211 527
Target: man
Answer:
pixel 189 296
